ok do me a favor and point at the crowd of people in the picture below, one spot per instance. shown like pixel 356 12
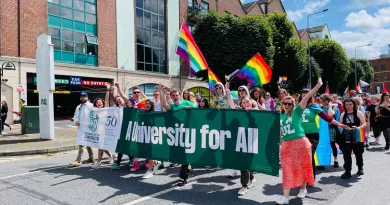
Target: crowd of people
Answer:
pixel 299 132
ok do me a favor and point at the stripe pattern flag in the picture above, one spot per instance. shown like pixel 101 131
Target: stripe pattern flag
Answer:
pixel 358 88
pixel 213 79
pixel 346 92
pixel 360 135
pixel 256 71
pixel 282 80
pixel 189 51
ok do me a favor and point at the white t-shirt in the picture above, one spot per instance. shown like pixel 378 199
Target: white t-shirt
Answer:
pixel 157 106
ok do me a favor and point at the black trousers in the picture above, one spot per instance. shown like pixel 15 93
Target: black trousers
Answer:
pixel 3 122
pixel 119 158
pixel 334 149
pixel 185 171
pixel 358 149
pixel 245 177
pixel 314 138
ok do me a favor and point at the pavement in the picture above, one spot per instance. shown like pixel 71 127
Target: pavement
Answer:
pixel 13 143
pixel 45 179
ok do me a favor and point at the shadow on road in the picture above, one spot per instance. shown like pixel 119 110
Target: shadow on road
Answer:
pixel 336 180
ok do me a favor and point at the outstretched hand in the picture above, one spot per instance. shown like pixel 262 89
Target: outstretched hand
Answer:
pixel 159 87
pixel 319 82
pixel 117 84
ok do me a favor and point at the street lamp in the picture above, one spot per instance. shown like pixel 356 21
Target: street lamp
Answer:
pixel 356 61
pixel 308 41
pixel 5 66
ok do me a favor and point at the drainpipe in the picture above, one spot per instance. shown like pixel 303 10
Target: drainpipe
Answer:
pixel 216 1
pixel 19 63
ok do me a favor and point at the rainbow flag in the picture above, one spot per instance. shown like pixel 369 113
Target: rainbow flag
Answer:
pixel 346 92
pixel 323 154
pixel 234 94
pixel 141 104
pixel 282 79
pixel 360 135
pixel 213 79
pixel 358 88
pixel 189 51
pixel 256 71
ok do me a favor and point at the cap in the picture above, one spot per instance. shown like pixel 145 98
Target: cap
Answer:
pixel 84 94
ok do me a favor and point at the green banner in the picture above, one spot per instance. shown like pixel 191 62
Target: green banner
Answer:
pixel 234 139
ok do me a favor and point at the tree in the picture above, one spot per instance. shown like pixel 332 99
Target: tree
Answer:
pixel 228 43
pixel 297 85
pixel 333 61
pixel 290 57
pixel 364 72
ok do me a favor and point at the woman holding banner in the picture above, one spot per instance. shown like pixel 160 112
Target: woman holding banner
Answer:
pixel 295 150
pixel 310 126
pixel 99 103
pixel 247 178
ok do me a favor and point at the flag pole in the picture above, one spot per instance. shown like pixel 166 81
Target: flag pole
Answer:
pixel 231 76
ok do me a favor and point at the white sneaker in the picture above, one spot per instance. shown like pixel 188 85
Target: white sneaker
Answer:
pixel 233 174
pixel 282 200
pixel 302 193
pixel 251 183
pixel 97 165
pixel 147 175
pixel 156 166
pixel 243 191
pixel 112 160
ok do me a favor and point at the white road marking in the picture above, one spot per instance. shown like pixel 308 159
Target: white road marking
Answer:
pixel 28 173
pixel 156 194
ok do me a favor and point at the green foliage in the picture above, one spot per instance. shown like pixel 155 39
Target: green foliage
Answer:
pixel 228 43
pixel 333 61
pixel 364 72
pixel 295 86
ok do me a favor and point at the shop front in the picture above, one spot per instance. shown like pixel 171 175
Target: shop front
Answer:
pixel 67 92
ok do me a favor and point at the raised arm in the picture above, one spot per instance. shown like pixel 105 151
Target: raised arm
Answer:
pixel 229 97
pixel 107 98
pixel 120 92
pixel 313 91
pixel 143 94
pixel 163 101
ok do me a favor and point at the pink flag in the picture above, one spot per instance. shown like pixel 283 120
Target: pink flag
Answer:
pixel 384 88
pixel 327 89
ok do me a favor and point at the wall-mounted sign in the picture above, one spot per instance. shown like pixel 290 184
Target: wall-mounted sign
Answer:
pixel 57 81
pixel 75 80
pixel 93 83
pixel 57 91
pixel 19 88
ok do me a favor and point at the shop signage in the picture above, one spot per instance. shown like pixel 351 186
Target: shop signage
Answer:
pixel 93 83
pixel 57 91
pixel 74 80
pixel 57 81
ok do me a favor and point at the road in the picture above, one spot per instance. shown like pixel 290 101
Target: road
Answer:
pixel 50 180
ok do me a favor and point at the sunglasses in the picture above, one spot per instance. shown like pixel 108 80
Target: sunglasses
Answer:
pixel 135 92
pixel 287 104
pixel 218 88
pixel 155 94
pixel 387 95
pixel 241 91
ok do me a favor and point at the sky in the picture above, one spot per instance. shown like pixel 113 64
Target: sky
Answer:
pixel 352 23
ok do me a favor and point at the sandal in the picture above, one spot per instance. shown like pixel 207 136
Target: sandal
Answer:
pixel 181 182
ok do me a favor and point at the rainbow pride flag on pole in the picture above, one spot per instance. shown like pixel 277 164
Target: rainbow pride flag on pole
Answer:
pixel 346 92
pixel 256 71
pixel 360 135
pixel 359 89
pixel 213 79
pixel 282 80
pixel 189 51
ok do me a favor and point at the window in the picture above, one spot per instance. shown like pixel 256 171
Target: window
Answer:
pixel 375 78
pixel 147 89
pixel 150 33
pixel 383 77
pixel 190 3
pixel 204 6
pixel 72 25
pixel 383 67
pixel 204 92
pixel 375 68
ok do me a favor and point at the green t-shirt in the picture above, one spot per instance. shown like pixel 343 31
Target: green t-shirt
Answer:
pixel 181 105
pixel 309 120
pixel 292 126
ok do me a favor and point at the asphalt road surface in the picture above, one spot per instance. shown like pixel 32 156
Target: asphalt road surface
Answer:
pixel 50 180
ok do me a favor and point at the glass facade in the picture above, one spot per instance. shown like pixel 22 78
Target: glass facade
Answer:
pixel 204 6
pixel 72 24
pixel 150 33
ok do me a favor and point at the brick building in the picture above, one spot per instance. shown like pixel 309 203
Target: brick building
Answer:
pixel 381 68
pixel 132 42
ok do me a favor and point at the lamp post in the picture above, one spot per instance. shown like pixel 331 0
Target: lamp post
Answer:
pixel 4 66
pixel 308 41
pixel 356 62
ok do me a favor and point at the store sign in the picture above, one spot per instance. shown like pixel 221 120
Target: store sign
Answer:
pixel 57 81
pixel 75 80
pixel 93 83
pixel 57 91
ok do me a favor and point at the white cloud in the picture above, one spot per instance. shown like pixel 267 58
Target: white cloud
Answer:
pixel 350 40
pixel 368 3
pixel 363 20
pixel 310 7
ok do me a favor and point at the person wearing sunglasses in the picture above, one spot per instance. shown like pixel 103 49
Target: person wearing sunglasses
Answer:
pixel 310 125
pixel 136 97
pixel 219 100
pixel 354 119
pixel 269 102
pixel 186 95
pixel 243 91
pixel 383 110
pixel 247 178
pixel 295 149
